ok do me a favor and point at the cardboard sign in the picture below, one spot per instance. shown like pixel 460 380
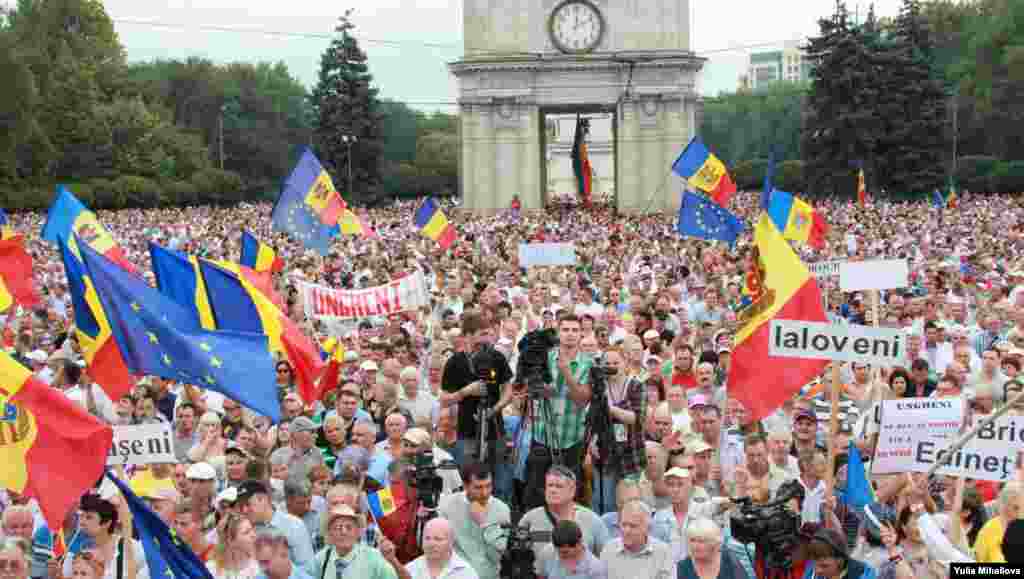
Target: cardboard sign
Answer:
pixel 847 343
pixel 546 254
pixel 328 304
pixel 915 433
pixel 820 269
pixel 873 275
pixel 142 444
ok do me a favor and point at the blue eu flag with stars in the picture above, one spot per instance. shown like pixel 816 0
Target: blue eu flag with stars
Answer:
pixel 166 555
pixel 703 218
pixel 158 337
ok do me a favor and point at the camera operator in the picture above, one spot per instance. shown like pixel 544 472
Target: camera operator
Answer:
pixel 417 442
pixel 829 558
pixel 570 557
pixel 462 384
pixel 478 518
pixel 558 420
pixel 626 458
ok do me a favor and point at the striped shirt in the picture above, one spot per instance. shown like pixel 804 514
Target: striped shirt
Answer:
pixel 558 422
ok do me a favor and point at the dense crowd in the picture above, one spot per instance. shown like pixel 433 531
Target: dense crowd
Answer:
pixel 651 492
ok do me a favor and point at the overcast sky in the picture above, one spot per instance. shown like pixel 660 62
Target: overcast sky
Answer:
pixel 424 35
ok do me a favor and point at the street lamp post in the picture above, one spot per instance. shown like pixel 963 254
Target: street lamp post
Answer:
pixel 349 140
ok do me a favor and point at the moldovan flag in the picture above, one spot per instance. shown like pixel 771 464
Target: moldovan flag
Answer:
pixel 781 288
pixel 5 226
pixel 68 219
pixel 431 222
pixel 50 448
pixel 703 170
pixel 16 274
pixel 259 256
pixel 797 220
pixel 862 190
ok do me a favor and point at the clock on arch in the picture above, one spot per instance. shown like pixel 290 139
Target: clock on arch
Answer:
pixel 576 26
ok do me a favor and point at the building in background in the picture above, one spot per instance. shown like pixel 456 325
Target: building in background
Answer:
pixel 789 64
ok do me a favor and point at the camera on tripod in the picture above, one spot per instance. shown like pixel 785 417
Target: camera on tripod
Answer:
pixel 774 528
pixel 518 560
pixel 425 480
pixel 532 368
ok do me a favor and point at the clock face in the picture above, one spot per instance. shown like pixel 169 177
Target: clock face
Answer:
pixel 576 26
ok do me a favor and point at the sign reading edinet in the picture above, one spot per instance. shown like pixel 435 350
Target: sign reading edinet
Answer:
pixel 845 343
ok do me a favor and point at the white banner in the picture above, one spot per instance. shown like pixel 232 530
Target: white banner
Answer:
pixel 846 343
pixel 327 304
pixel 541 254
pixel 915 433
pixel 142 444
pixel 879 274
pixel 820 269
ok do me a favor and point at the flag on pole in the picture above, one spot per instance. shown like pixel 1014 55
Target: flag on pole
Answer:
pixel 309 207
pixel 258 255
pixel 581 161
pixel 431 222
pixel 797 219
pixel 862 191
pixel 16 275
pixel 68 219
pixel 704 171
pixel 778 286
pixel 704 219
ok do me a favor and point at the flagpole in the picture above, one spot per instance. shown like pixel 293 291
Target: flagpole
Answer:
pixel 650 199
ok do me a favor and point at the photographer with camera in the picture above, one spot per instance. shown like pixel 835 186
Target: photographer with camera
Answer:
pixel 478 519
pixel 418 450
pixel 559 413
pixel 474 382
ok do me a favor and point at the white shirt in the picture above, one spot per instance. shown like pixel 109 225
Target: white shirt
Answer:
pixel 111 567
pixel 457 568
pixel 104 406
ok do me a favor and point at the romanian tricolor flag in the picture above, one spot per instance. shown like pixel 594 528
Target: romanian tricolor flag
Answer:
pixel 227 296
pixel 432 223
pixel 862 190
pixel 5 226
pixel 581 161
pixel 50 448
pixel 16 274
pixel 68 219
pixel 778 286
pixel 259 256
pixel 353 224
pixel 797 220
pixel 99 348
pixel 704 171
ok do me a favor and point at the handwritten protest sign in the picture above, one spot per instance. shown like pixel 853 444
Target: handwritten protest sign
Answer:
pixel 542 254
pixel 328 304
pixel 916 432
pixel 142 444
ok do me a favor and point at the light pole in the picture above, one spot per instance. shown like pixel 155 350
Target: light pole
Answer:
pixel 220 135
pixel 349 140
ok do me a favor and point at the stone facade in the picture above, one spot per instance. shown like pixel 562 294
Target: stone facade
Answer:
pixel 642 72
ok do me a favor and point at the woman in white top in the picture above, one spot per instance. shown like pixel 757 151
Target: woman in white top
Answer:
pixel 233 558
pixel 211 446
pixel 119 557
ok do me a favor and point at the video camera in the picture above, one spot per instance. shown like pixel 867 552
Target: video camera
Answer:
pixel 773 527
pixel 518 560
pixel 532 368
pixel 425 480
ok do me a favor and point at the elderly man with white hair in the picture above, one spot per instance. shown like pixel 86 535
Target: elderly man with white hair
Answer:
pixel 706 556
pixel 421 404
pixel 636 553
pixel 439 560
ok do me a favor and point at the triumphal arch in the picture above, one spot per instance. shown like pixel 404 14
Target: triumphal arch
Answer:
pixel 527 60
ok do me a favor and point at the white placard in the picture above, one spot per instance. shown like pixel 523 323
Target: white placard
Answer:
pixel 847 343
pixel 546 254
pixel 873 275
pixel 911 424
pixel 820 269
pixel 916 431
pixel 142 444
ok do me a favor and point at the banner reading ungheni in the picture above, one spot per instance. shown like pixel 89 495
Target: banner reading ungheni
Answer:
pixel 328 304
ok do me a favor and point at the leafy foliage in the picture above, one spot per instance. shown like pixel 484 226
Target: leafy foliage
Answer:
pixel 345 105
pixel 744 124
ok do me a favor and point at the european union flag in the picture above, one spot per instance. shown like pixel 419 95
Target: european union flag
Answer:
pixel 703 218
pixel 159 337
pixel 166 555
pixel 306 196
pixel 937 199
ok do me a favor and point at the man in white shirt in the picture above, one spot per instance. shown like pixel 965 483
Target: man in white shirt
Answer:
pixel 419 403
pixel 83 392
pixel 439 561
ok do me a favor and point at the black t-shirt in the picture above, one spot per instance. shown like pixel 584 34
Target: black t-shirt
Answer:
pixel 458 373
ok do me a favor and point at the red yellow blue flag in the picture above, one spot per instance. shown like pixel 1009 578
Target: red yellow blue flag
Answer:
pixel 704 171
pixel 69 219
pixel 431 222
pixel 259 256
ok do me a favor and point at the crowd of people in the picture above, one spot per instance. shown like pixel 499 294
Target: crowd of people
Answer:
pixel 651 492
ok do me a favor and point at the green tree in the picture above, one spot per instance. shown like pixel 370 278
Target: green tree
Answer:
pixel 345 103
pixel 744 125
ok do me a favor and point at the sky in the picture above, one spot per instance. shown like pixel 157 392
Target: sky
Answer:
pixel 410 42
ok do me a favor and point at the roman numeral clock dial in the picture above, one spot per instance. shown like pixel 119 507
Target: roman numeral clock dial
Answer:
pixel 576 26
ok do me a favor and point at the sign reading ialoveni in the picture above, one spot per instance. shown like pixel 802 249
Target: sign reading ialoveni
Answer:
pixel 846 343
pixel 142 444
pixel 326 304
